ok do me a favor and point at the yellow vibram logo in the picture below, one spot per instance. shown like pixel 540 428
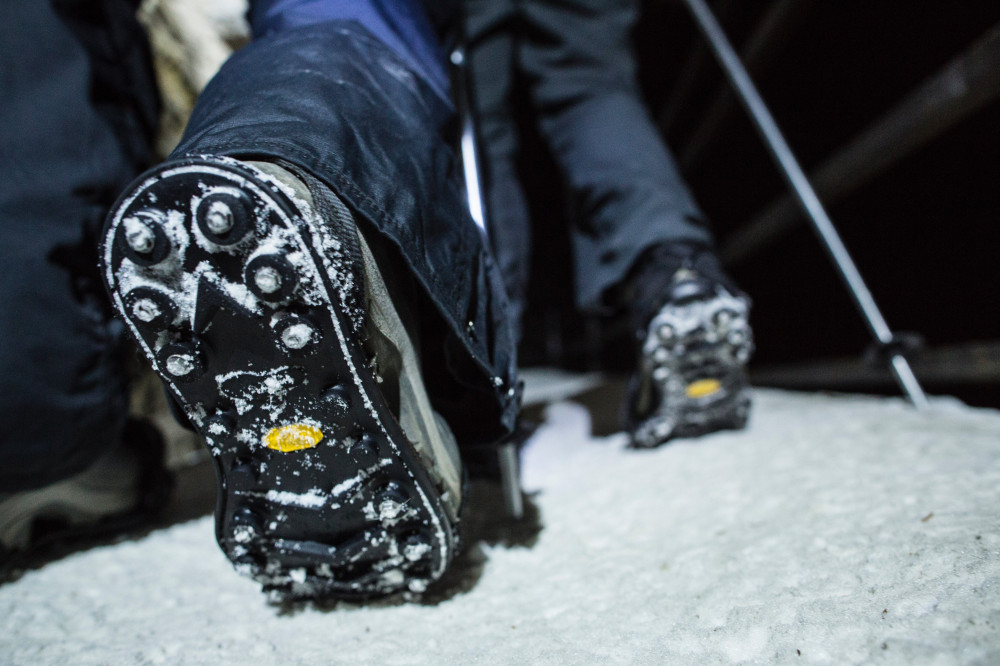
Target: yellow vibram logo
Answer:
pixel 293 437
pixel 703 388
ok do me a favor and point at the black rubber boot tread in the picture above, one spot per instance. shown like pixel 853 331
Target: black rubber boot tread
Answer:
pixel 248 311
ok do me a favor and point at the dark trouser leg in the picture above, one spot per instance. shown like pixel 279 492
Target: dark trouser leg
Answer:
pixel 333 100
pixel 491 31
pixel 627 194
pixel 70 141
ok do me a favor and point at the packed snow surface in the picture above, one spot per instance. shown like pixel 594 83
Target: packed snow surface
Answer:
pixel 835 530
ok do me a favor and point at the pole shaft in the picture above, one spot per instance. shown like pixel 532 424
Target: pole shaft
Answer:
pixel 799 183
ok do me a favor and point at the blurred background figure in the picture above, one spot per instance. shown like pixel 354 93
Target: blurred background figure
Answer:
pixel 641 248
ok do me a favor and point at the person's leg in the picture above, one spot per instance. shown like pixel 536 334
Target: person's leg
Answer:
pixel 640 242
pixel 627 194
pixel 273 291
pixel 76 128
pixel 79 110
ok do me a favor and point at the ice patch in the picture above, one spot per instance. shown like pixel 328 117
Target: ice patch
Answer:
pixel 344 486
pixel 243 534
pixel 393 578
pixel 216 428
pixel 415 551
pixel 312 499
pixel 266 388
pixel 390 510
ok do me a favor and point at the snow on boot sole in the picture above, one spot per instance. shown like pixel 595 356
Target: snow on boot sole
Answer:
pixel 693 359
pixel 241 301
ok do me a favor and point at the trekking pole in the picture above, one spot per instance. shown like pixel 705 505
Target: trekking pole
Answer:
pixel 510 469
pixel 469 144
pixel 887 341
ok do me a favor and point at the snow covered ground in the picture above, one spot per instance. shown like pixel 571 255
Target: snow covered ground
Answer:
pixel 834 530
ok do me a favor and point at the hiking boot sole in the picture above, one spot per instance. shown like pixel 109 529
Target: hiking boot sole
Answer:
pixel 244 302
pixel 693 361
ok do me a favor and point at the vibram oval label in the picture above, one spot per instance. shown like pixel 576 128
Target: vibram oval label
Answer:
pixel 703 388
pixel 293 437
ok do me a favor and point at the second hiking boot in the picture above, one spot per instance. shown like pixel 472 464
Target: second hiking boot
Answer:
pixel 694 341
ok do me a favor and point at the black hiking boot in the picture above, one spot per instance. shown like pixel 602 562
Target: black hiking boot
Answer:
pixel 254 296
pixel 694 341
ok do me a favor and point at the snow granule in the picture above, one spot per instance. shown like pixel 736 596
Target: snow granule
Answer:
pixel 315 498
pixel 346 485
pixel 415 551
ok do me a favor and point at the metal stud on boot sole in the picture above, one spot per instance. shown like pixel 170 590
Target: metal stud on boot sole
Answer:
pixel 235 291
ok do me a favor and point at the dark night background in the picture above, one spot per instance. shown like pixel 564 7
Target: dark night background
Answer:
pixel 924 233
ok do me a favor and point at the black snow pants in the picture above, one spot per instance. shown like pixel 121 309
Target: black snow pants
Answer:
pixel 576 61
pixel 78 111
